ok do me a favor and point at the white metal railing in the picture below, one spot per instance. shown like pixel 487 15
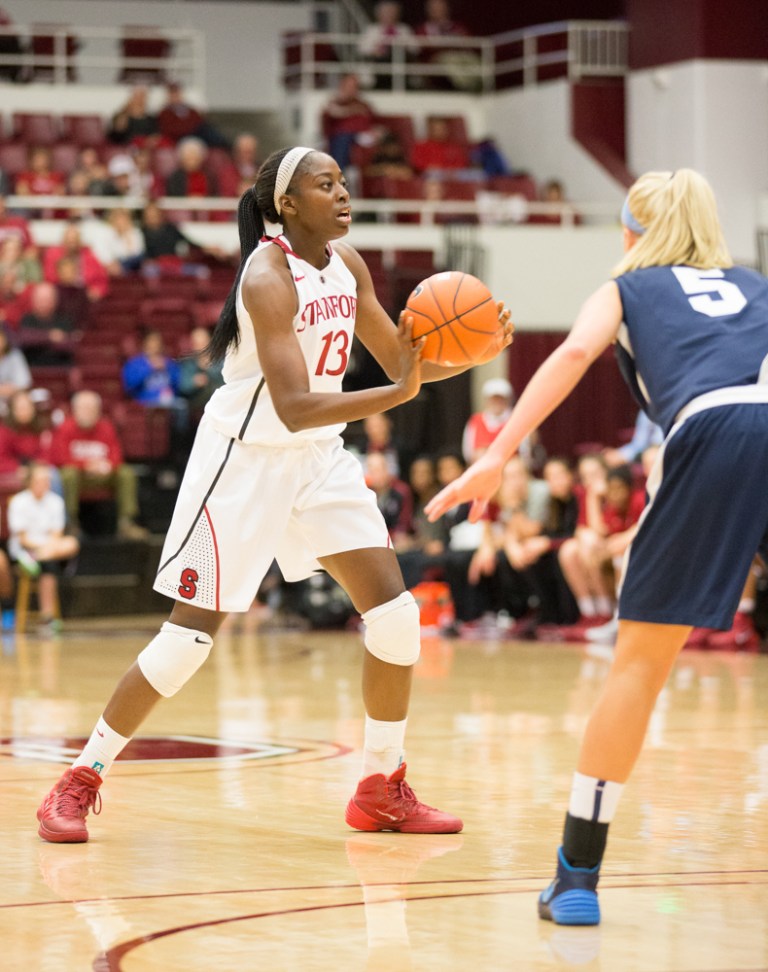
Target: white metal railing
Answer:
pixel 497 209
pixel 522 57
pixel 66 54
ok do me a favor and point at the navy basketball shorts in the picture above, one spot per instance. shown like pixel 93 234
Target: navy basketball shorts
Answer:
pixel 241 506
pixel 706 518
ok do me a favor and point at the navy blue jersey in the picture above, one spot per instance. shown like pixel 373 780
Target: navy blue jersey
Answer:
pixel 688 331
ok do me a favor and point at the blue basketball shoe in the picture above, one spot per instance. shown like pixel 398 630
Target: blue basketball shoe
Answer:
pixel 571 899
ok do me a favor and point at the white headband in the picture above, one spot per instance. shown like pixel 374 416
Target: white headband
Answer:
pixel 285 172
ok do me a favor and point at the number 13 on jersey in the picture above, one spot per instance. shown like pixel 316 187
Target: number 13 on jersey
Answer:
pixel 334 355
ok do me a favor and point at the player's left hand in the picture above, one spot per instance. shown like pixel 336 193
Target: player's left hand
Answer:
pixel 478 484
pixel 503 337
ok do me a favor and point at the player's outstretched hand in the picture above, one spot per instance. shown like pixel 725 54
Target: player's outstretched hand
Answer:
pixel 478 484
pixel 503 337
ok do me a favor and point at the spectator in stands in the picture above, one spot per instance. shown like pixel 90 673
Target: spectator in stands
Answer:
pixel 439 21
pixel 560 210
pixel 390 160
pixel 134 124
pixel 375 45
pixel 13 301
pixel 24 266
pixel 607 522
pixel 30 433
pixel 198 377
pixel 146 182
pixel 151 377
pixel 123 177
pixel 178 120
pixel 14 370
pixel 423 548
pixel 73 298
pixel 40 178
pixel 437 153
pixel 393 497
pixel 90 275
pixel 522 503
pixel 243 167
pixel 90 176
pixel 6 183
pixel 87 450
pixel 166 248
pixel 487 155
pixel 535 554
pixel 25 438
pixel 191 178
pixel 245 155
pixel 482 427
pixel 46 332
pixel 12 224
pixel 37 542
pixel 438 25
pixel 379 438
pixel 122 246
pixel 347 118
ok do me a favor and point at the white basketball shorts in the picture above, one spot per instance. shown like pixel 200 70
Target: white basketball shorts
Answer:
pixel 242 506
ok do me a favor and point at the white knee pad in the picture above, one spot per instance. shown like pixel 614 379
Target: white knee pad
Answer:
pixel 392 631
pixel 173 657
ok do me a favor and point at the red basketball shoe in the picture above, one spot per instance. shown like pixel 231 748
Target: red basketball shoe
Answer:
pixel 62 813
pixel 741 637
pixel 388 803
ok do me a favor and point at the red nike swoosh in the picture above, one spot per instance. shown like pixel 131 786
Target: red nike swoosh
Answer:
pixel 100 733
pixel 297 279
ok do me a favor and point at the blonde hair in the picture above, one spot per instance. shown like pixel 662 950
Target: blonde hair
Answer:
pixel 679 214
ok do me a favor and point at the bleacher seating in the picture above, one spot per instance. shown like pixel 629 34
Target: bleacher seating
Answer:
pixel 83 130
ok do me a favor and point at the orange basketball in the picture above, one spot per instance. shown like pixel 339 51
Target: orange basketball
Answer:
pixel 457 315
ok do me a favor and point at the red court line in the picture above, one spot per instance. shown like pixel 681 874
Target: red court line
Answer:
pixel 531 879
pixel 267 762
pixel 111 961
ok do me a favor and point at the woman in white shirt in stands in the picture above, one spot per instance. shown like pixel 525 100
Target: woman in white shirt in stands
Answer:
pixel 36 520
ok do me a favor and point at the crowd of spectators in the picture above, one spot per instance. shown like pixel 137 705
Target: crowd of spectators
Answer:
pixel 545 559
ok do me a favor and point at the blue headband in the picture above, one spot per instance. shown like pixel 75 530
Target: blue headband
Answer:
pixel 629 220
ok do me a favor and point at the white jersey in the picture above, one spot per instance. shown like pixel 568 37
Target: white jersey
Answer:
pixel 324 326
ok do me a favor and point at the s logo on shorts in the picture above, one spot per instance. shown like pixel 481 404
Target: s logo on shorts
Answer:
pixel 188 585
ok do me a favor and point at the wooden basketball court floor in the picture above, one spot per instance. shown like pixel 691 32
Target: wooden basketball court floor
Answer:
pixel 222 843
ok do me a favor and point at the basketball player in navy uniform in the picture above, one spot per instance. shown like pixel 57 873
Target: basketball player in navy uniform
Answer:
pixel 691 331
pixel 268 478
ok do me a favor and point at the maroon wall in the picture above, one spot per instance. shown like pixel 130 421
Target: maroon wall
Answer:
pixel 664 32
pixel 599 410
pixel 597 123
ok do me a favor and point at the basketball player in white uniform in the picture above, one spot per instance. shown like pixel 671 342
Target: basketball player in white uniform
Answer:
pixel 268 478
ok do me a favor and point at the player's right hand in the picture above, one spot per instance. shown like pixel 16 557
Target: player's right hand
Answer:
pixel 478 484
pixel 410 355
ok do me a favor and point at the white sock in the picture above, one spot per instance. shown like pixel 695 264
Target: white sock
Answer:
pixel 102 749
pixel 586 607
pixel 746 605
pixel 593 799
pixel 603 604
pixel 383 749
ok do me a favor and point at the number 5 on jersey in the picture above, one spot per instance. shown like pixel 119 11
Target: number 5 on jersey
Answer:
pixel 710 294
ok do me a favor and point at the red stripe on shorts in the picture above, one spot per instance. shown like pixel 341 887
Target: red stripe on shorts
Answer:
pixel 216 553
